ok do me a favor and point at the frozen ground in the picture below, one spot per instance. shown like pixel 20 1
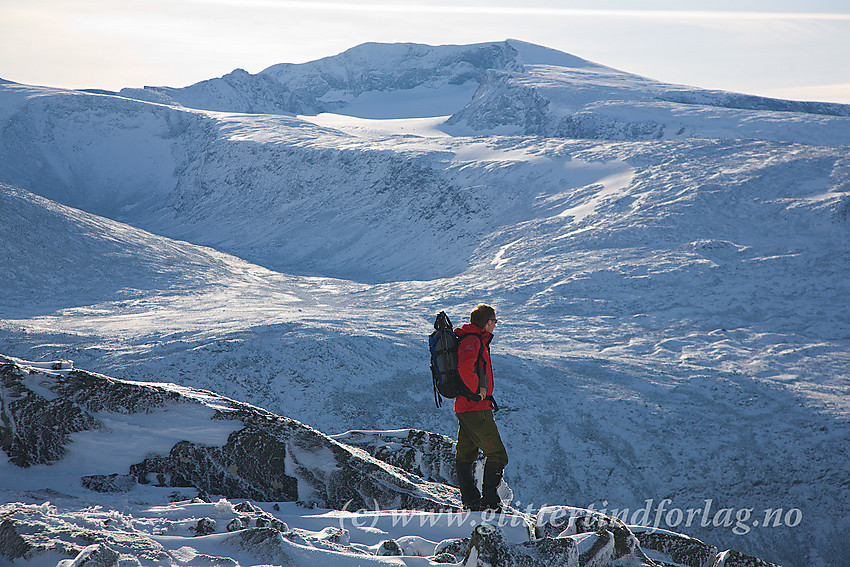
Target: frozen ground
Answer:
pixel 673 314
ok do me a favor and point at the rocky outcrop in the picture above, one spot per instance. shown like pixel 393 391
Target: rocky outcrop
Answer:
pixel 270 458
pixel 488 546
pixel 613 538
pixel 425 454
pixel 676 548
pixel 732 558
pixel 267 457
pixel 34 428
pixel 109 482
pixel 97 555
pixel 647 545
pixel 264 543
pixel 100 537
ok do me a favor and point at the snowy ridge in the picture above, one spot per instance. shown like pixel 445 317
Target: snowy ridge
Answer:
pixel 554 101
pixel 66 423
pixel 661 289
pixel 66 428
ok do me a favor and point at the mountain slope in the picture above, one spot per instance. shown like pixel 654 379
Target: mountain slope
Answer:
pixel 57 257
pixel 244 184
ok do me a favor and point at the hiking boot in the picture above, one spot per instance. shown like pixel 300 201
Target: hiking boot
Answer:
pixel 492 478
pixel 469 494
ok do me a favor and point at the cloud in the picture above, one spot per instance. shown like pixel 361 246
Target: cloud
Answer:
pixel 400 7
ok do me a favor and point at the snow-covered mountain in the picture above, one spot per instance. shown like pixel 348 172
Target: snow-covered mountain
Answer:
pixel 441 78
pixel 669 265
pixel 521 89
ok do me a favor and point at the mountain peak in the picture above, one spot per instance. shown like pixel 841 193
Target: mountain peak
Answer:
pixel 533 54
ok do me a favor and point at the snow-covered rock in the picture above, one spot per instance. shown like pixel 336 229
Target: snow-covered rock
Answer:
pixel 488 546
pixel 268 458
pixel 264 456
pixel 425 454
pixel 675 548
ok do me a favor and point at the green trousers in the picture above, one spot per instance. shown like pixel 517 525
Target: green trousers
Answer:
pixel 478 430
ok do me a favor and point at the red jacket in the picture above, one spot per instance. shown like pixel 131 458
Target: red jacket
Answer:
pixel 467 356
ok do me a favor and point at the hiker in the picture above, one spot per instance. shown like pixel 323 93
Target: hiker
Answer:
pixel 477 428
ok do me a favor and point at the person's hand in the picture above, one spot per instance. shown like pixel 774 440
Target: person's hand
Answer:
pixel 482 393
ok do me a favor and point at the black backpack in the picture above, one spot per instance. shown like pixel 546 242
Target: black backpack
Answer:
pixel 443 344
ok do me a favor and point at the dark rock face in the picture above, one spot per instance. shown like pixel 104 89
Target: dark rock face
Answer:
pixel 679 548
pixel 12 544
pixel 109 483
pixel 488 546
pixel 425 454
pixel 33 429
pixel 734 558
pixel 563 521
pixel 250 465
pixel 268 458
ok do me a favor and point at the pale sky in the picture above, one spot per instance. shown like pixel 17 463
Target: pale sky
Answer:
pixel 782 48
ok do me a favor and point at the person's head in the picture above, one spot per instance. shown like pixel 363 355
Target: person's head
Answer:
pixel 482 316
